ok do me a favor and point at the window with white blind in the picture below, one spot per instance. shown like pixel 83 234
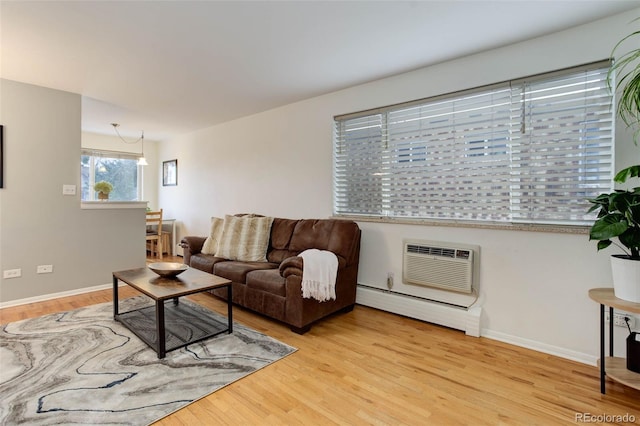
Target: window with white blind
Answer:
pixel 120 169
pixel 532 150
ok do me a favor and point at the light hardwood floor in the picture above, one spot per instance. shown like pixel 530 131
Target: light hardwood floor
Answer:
pixel 373 367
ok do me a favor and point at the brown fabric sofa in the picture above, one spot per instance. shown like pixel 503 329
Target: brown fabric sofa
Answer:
pixel 273 288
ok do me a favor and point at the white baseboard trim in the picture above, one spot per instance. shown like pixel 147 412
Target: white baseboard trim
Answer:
pixel 541 347
pixel 467 320
pixel 459 318
pixel 51 296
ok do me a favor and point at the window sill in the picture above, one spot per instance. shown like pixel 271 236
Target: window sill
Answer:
pixel 96 205
pixel 560 229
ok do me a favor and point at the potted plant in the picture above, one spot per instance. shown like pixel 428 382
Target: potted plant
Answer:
pixel 619 217
pixel 103 188
pixel 619 211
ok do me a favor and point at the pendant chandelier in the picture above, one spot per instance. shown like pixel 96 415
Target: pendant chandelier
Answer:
pixel 141 161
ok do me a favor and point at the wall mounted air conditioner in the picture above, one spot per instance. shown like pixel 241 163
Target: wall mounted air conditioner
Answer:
pixel 447 266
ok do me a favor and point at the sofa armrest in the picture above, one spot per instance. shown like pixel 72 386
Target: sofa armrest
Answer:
pixel 301 312
pixel 294 266
pixel 291 266
pixel 191 245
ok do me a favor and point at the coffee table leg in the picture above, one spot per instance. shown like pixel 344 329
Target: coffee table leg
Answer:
pixel 230 307
pixel 160 326
pixel 115 297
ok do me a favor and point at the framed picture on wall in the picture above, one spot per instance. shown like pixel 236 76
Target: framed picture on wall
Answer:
pixel 170 173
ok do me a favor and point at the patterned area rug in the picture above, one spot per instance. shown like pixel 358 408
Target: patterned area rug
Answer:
pixel 82 367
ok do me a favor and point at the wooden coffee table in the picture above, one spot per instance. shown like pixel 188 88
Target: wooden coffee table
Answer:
pixel 168 326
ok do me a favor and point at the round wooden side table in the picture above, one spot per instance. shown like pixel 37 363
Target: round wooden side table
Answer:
pixel 613 367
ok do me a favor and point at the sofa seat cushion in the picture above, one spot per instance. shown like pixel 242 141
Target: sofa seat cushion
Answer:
pixel 204 262
pixel 237 271
pixel 268 280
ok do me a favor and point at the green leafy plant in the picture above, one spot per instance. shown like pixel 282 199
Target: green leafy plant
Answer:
pixel 619 216
pixel 627 68
pixel 103 186
pixel 619 211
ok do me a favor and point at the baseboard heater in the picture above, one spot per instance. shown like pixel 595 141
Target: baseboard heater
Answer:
pixel 456 317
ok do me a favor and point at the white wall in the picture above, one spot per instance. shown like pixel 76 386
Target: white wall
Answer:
pixel 150 173
pixel 533 284
pixel 39 225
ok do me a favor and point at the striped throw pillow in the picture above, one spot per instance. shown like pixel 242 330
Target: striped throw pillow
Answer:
pixel 245 238
pixel 210 245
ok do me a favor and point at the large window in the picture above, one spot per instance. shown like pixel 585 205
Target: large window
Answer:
pixel 526 151
pixel 119 169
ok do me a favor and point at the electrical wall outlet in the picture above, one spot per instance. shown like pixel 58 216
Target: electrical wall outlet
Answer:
pixel 618 319
pixel 44 269
pixel 12 273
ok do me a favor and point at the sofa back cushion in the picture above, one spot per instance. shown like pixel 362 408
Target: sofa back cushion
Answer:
pixel 311 233
pixel 345 240
pixel 342 237
pixel 281 232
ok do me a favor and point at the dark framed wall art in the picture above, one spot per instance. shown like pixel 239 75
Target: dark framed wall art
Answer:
pixel 170 173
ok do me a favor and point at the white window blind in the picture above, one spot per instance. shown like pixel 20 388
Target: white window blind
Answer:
pixel 532 150
pixel 121 155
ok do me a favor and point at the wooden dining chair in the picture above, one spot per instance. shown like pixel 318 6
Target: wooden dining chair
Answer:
pixel 154 232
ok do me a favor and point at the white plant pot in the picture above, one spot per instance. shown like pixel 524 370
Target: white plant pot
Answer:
pixel 626 278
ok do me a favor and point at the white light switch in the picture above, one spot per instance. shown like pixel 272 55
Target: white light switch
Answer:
pixel 68 190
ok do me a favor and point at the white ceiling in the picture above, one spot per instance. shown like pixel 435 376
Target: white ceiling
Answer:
pixel 176 66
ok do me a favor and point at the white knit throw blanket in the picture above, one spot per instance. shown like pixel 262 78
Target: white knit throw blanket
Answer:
pixel 319 274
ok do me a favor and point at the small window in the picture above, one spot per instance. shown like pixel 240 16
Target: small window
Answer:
pixel 119 169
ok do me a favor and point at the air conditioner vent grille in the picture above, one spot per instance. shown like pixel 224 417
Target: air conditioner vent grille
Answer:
pixel 443 266
pixel 438 251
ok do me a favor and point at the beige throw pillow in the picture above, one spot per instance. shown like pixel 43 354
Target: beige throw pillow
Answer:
pixel 245 238
pixel 210 245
